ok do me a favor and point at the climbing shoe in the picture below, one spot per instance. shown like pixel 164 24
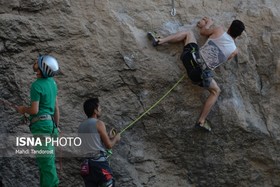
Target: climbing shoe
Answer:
pixel 204 126
pixel 154 37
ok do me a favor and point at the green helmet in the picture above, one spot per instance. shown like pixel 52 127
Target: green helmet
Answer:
pixel 48 65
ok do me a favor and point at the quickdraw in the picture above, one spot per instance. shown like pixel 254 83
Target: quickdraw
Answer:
pixel 173 10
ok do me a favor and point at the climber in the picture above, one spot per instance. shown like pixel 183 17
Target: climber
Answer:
pixel 95 141
pixel 44 115
pixel 199 62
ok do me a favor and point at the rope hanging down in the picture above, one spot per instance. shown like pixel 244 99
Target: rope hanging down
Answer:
pixel 132 123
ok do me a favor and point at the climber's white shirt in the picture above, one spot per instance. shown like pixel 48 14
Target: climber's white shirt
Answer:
pixel 216 51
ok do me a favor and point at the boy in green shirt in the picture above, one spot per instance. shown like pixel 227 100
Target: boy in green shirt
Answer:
pixel 44 115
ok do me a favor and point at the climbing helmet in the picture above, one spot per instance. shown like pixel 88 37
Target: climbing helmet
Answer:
pixel 48 65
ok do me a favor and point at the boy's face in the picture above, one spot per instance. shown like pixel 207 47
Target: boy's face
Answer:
pixel 36 68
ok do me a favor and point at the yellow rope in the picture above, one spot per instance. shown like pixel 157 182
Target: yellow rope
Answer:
pixel 132 123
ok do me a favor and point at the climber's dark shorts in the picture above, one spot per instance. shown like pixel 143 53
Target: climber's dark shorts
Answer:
pixel 198 76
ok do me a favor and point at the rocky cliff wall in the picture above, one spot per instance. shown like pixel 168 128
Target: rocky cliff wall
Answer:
pixel 103 51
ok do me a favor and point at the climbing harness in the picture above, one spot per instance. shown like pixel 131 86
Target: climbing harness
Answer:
pixel 153 106
pixel 41 118
pixel 173 10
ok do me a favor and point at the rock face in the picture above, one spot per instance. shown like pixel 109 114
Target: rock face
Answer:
pixel 103 51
